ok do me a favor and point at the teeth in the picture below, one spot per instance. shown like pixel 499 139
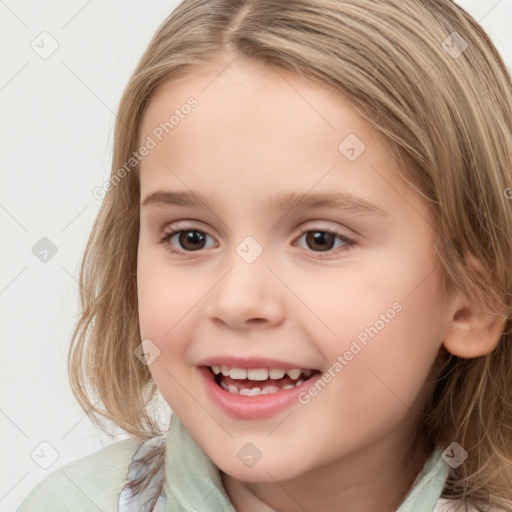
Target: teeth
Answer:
pixel 232 388
pixel 238 373
pixel 257 374
pixel 250 392
pixel 294 373
pixel 260 374
pixel 276 373
pixel 267 389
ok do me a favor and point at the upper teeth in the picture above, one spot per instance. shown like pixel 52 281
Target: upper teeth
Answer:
pixel 259 373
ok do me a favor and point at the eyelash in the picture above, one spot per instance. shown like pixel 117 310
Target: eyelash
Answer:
pixel 348 241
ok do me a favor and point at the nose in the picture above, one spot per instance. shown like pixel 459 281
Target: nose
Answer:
pixel 247 296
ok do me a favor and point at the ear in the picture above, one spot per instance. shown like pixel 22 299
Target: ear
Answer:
pixel 474 328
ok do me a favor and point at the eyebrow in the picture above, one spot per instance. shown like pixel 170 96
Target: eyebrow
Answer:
pixel 280 203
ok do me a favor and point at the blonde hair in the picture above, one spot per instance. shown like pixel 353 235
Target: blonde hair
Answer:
pixel 446 111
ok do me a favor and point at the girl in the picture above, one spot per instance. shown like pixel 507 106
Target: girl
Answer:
pixel 305 246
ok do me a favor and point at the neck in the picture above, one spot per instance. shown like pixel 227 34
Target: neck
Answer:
pixel 375 478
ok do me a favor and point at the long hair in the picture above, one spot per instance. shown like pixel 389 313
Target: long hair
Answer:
pixel 426 76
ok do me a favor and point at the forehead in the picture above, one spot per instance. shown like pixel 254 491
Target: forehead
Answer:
pixel 260 128
pixel 254 96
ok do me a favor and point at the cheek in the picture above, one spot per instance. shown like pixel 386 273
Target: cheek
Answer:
pixel 379 383
pixel 166 299
pixel 166 315
pixel 384 333
pixel 389 377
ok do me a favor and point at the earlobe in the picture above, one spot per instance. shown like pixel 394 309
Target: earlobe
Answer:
pixel 474 329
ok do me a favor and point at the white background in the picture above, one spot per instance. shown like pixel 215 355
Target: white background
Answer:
pixel 57 118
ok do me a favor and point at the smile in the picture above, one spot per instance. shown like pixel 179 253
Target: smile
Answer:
pixel 255 393
pixel 258 381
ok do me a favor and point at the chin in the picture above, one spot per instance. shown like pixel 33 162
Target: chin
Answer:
pixel 270 470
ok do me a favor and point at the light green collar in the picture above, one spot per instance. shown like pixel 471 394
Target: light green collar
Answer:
pixel 193 481
pixel 428 486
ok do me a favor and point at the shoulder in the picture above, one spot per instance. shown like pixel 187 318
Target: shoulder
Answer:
pixel 447 505
pixel 89 483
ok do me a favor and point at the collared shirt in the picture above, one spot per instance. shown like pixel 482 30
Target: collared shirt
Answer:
pixel 187 480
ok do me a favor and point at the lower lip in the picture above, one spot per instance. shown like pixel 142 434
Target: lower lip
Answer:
pixel 257 407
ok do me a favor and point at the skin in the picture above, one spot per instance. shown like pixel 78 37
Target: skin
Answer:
pixel 256 132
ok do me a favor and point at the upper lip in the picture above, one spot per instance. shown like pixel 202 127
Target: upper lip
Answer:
pixel 251 362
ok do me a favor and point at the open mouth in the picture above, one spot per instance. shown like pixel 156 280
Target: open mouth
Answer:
pixel 259 381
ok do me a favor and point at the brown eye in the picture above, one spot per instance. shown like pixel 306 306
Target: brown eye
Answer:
pixel 320 239
pixel 324 240
pixel 188 240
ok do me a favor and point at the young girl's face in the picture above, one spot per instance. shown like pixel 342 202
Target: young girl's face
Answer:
pixel 251 283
